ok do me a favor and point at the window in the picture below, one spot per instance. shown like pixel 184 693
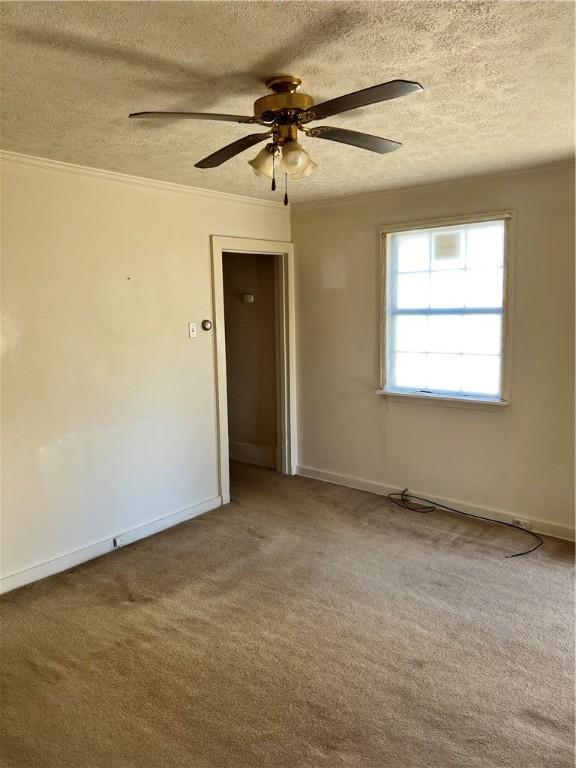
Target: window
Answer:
pixel 444 311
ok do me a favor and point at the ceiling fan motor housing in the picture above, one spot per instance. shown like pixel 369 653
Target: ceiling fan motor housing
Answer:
pixel 285 104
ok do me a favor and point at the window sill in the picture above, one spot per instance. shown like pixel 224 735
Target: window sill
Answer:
pixel 456 402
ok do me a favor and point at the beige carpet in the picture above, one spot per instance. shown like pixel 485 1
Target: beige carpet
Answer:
pixel 303 626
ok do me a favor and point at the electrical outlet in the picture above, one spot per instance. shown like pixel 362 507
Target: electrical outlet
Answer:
pixel 522 523
pixel 119 541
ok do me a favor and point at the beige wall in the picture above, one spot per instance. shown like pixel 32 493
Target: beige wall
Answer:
pixel 109 418
pixel 517 460
pixel 251 356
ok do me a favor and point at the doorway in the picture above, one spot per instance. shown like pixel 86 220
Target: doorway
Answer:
pixel 251 327
pixel 255 354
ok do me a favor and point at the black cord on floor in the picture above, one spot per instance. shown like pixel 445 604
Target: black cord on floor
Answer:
pixel 418 504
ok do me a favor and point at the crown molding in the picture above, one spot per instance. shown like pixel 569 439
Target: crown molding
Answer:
pixel 98 173
pixel 366 197
pixel 168 186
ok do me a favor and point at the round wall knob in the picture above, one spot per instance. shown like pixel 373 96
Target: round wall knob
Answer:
pixel 206 325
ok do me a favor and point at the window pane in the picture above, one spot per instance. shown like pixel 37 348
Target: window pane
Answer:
pixel 446 289
pixel 412 252
pixel 410 333
pixel 483 288
pixel 482 334
pixel 481 374
pixel 413 290
pixel 485 245
pixel 444 333
pixel 409 370
pixel 444 372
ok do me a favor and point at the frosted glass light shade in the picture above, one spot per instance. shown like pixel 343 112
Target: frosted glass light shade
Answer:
pixel 296 162
pixel 307 170
pixel 263 163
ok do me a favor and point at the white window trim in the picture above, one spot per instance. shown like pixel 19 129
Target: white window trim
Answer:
pixel 437 398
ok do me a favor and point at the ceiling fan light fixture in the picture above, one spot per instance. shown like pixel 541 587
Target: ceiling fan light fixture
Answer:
pixel 296 162
pixel 263 163
pixel 308 170
pixel 286 111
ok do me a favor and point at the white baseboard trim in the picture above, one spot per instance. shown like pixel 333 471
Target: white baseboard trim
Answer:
pixel 382 489
pixel 83 554
pixel 262 455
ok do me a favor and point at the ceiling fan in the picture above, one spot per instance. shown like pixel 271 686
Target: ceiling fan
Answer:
pixel 285 112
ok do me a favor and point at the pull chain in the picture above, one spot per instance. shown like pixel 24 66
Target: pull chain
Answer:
pixel 274 169
pixel 285 189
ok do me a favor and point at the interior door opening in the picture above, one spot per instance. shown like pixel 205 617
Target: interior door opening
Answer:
pixel 250 283
pixel 280 255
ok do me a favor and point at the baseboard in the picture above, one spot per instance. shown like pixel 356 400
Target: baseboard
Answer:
pixel 123 538
pixel 262 455
pixel 382 489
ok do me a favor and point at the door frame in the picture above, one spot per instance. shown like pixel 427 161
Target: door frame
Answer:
pixel 285 357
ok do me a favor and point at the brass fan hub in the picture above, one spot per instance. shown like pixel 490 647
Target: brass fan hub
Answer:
pixel 285 133
pixel 285 99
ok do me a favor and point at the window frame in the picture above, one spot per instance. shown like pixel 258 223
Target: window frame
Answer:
pixel 506 347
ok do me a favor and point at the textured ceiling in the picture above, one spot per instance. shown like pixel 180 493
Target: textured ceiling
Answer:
pixel 498 79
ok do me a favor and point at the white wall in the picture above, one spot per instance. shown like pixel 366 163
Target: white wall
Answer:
pixel 109 418
pixel 251 357
pixel 518 460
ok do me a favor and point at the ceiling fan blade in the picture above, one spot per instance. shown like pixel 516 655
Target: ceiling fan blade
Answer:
pixel 354 138
pixel 197 116
pixel 391 90
pixel 230 150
